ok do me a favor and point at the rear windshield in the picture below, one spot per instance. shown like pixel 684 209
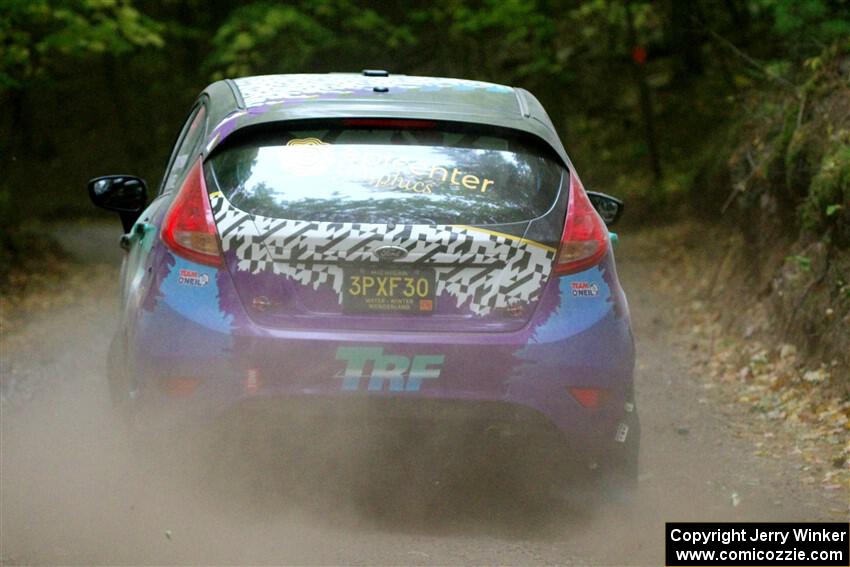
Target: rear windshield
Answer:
pixel 404 175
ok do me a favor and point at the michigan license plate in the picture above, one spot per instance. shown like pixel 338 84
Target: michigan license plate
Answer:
pixel 389 290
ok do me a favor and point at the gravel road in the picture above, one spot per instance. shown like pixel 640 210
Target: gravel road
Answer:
pixel 73 493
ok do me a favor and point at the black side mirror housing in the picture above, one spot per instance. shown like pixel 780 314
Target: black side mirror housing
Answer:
pixel 127 195
pixel 609 208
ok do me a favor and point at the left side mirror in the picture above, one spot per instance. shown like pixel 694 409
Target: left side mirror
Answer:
pixel 608 207
pixel 125 194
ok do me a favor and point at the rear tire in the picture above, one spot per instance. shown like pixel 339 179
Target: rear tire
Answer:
pixel 118 378
pixel 118 381
pixel 619 480
pixel 612 480
pixel 116 374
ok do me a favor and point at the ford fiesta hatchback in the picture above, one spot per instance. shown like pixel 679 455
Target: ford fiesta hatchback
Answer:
pixel 373 243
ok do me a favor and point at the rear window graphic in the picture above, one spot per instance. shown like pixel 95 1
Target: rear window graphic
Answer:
pixel 387 176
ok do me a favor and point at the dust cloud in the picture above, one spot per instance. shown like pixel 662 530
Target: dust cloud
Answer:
pixel 77 490
pixel 307 489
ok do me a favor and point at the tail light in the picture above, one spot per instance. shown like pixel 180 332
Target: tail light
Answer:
pixel 589 398
pixel 189 227
pixel 389 123
pixel 585 238
pixel 181 385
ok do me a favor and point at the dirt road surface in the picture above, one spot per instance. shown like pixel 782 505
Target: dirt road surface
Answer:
pixel 73 493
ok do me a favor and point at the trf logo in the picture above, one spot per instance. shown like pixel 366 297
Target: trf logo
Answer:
pixel 402 374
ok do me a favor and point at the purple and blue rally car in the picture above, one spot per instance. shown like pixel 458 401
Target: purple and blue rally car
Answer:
pixel 377 243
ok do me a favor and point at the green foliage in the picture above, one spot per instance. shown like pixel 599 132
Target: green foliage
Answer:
pixel 526 36
pixel 575 55
pixel 270 37
pixel 801 140
pixel 808 22
pixel 35 32
pixel 829 198
pixel 802 262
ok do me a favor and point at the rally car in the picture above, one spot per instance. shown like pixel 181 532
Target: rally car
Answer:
pixel 375 243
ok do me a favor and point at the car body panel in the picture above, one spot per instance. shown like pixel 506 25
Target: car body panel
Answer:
pixel 193 351
pixel 272 98
pixel 480 274
pixel 198 329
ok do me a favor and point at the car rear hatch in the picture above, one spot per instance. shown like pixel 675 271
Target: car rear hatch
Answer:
pixel 387 224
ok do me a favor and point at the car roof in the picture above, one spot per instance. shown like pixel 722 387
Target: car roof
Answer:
pixel 250 101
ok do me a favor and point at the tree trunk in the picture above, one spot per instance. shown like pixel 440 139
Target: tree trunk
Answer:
pixel 685 41
pixel 645 100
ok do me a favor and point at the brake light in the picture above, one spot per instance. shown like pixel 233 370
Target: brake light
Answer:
pixel 588 397
pixel 389 123
pixel 189 227
pixel 585 238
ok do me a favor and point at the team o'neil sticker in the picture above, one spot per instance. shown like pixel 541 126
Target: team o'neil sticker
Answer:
pixel 192 278
pixel 584 289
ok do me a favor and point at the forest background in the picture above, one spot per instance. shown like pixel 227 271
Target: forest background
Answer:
pixel 733 114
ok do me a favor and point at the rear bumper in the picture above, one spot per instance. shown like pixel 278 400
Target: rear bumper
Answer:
pixel 517 381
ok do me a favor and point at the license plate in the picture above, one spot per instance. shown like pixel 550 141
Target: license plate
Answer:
pixel 389 290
